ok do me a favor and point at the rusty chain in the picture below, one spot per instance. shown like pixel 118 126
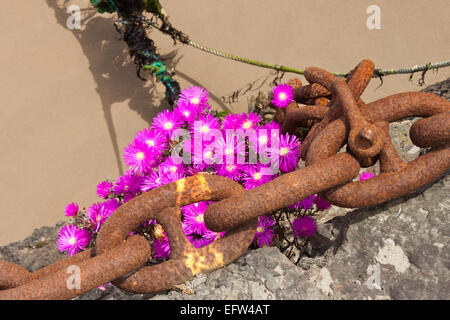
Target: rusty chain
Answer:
pixel 337 117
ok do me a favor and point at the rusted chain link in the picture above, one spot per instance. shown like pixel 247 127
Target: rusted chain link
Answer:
pixel 338 117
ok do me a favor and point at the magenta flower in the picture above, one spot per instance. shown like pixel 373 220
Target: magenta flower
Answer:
pixel 99 212
pixel 283 94
pixel 288 153
pixel 262 141
pixel 211 235
pixel 231 122
pixel 197 96
pixel 256 175
pixel 166 122
pixel 249 121
pixel 264 232
pixel 231 171
pixel 205 157
pixel 199 242
pixel 321 204
pixel 204 125
pixel 304 204
pixel 196 168
pixel 232 149
pixel 71 209
pixel 139 157
pixel 72 240
pixel 193 218
pixel 161 248
pixel 104 189
pixel 169 165
pixel 304 227
pixel 156 179
pixel 128 185
pixel 273 125
pixel 155 140
pixel 366 175
pixel 187 111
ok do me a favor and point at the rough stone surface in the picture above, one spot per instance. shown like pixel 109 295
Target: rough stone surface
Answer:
pixel 397 250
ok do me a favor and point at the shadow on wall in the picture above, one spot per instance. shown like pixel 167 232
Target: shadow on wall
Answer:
pixel 112 69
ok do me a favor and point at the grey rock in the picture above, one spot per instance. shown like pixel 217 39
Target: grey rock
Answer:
pixel 396 250
pixel 260 274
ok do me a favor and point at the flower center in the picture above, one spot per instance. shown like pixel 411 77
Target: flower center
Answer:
pixel 187 114
pixel 150 143
pixel 247 124
pixel 229 151
pixel 257 176
pixel 72 241
pixel 284 151
pixel 199 218
pixel 168 125
pixel 140 155
pixel 263 139
pixel 230 168
pixel 173 169
pixel 208 154
pixel 282 96
pixel 260 229
pixel 204 129
pixel 195 100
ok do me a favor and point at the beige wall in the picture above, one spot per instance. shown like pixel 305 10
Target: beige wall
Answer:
pixel 70 103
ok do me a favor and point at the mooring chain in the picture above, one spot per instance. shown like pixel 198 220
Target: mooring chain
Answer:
pixel 338 117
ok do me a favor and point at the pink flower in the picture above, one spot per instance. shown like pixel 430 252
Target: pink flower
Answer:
pixel 283 94
pixel 204 125
pixel 155 140
pixel 71 209
pixel 249 121
pixel 288 153
pixel 256 175
pixel 139 157
pixel 128 185
pixel 264 232
pixel 99 212
pixel 72 239
pixel 161 248
pixel 196 96
pixel 193 218
pixel 304 204
pixel 232 149
pixel 366 175
pixel 170 165
pixel 231 122
pixel 321 204
pixel 166 122
pixel 262 141
pixel 304 227
pixel 104 189
pixel 199 241
pixel 157 179
pixel 231 171
pixel 187 111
